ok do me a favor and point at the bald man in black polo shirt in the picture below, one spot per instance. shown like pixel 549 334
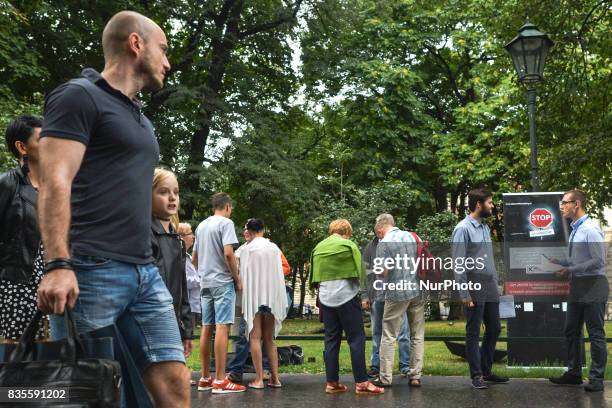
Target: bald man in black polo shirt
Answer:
pixel 97 156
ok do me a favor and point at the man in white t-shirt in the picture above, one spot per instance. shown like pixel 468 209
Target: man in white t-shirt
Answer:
pixel 214 257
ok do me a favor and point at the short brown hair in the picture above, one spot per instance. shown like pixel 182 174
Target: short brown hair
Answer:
pixel 579 195
pixel 341 227
pixel 221 200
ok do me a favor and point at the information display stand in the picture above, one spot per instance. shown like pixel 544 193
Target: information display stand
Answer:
pixel 534 233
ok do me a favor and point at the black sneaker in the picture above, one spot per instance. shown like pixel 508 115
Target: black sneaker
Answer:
pixel 235 377
pixel 594 387
pixel 373 373
pixel 566 379
pixel 478 383
pixel 377 382
pixel 492 378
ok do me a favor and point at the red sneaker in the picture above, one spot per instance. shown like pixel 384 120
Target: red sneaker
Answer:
pixel 205 384
pixel 226 387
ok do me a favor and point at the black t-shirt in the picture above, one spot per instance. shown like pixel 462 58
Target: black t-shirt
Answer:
pixel 111 192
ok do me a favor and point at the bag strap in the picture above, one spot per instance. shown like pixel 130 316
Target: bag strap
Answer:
pixel 70 350
pixel 26 341
pixel 421 272
pixel 136 393
pixel 73 346
pixel 419 242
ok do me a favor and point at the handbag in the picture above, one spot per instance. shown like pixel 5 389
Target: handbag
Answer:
pixel 89 381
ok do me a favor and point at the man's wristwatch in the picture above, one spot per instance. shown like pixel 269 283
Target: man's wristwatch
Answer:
pixel 57 263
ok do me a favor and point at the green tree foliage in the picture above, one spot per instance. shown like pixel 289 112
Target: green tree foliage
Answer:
pixel 456 103
pixel 19 65
pixel 311 110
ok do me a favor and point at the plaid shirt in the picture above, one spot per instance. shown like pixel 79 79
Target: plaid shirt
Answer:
pixel 397 242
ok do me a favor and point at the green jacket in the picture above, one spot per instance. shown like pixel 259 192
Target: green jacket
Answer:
pixel 335 258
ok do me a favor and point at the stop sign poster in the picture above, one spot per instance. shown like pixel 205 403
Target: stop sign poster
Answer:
pixel 534 217
pixel 541 219
pixel 534 233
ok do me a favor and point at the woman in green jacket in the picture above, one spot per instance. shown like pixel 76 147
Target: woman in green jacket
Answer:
pixel 337 270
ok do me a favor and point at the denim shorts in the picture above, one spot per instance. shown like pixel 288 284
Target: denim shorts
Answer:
pixel 218 304
pixel 109 290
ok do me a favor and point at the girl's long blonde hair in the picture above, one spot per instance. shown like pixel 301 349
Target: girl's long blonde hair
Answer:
pixel 159 175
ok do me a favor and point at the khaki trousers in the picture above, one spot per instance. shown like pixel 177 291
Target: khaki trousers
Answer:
pixel 392 323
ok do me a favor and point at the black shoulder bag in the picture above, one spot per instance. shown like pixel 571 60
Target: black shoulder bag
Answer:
pixel 84 381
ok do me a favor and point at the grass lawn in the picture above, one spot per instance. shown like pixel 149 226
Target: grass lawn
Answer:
pixel 438 360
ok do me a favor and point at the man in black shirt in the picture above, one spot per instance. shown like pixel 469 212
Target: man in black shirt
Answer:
pixel 97 156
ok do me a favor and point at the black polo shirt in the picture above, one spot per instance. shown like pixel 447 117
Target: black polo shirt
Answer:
pixel 111 193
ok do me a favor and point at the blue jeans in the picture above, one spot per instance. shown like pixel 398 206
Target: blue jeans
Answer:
pixel 109 289
pixel 241 351
pixel 480 358
pixel 403 340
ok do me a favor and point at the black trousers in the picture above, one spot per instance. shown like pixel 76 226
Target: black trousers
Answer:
pixel 592 314
pixel 480 359
pixel 347 318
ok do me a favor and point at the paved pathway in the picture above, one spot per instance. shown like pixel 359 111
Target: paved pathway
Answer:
pixel 305 390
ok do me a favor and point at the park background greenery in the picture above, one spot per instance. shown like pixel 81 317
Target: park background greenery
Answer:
pixel 308 110
pixel 437 360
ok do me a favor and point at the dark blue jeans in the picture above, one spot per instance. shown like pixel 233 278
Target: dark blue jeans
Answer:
pixel 481 358
pixel 347 318
pixel 241 351
pixel 592 314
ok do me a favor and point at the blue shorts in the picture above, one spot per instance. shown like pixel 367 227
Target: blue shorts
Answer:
pixel 218 305
pixel 111 289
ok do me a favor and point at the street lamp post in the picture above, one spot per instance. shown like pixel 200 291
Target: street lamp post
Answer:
pixel 529 50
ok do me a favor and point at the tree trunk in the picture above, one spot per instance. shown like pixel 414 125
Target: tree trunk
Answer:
pixel 461 207
pixel 434 309
pixel 294 273
pixel 441 198
pixel 227 37
pixel 453 201
pixel 300 311
pixel 222 45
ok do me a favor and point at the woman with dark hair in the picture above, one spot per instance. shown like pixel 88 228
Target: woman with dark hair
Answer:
pixel 19 235
pixel 264 301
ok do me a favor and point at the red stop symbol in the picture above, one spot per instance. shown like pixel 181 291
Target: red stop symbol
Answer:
pixel 541 218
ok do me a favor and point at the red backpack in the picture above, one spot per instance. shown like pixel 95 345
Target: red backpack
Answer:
pixel 428 270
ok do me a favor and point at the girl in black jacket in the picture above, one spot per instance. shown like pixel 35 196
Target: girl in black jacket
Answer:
pixel 168 249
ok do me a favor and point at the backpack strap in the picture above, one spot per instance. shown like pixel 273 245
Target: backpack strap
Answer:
pixel 419 242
